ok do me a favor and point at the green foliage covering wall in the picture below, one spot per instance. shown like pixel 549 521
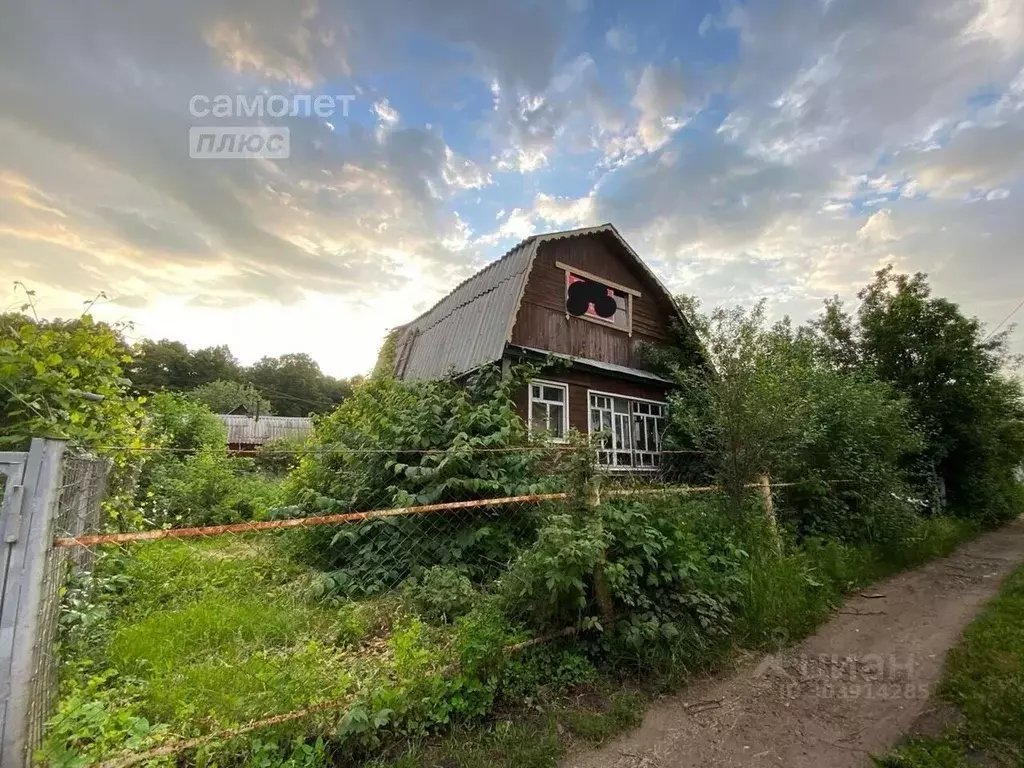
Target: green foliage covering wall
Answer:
pixel 398 443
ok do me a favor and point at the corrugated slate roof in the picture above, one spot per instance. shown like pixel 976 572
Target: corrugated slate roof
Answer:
pixel 245 430
pixel 471 325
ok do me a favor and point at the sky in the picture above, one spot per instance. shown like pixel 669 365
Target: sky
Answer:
pixel 776 149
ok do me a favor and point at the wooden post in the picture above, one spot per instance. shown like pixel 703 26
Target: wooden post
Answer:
pixel 765 486
pixel 601 590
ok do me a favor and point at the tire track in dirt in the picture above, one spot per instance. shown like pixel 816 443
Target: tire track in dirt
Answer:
pixel 850 690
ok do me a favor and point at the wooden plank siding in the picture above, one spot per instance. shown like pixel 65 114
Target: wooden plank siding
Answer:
pixel 543 323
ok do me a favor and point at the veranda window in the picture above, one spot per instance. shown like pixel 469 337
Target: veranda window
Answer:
pixel 631 431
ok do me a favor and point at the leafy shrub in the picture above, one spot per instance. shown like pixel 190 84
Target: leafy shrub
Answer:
pixel 49 372
pixel 551 583
pixel 194 481
pixel 95 719
pixel 837 441
pixel 958 380
pixel 181 424
pixel 280 456
pixel 671 576
pixel 396 443
pixel 675 577
pixel 399 443
pixel 440 593
pixel 557 668
pixel 376 556
pixel 208 488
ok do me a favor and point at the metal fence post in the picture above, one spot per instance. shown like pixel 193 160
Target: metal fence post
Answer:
pixel 29 537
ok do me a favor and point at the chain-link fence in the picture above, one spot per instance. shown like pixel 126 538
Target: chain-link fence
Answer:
pixel 79 509
pixel 201 626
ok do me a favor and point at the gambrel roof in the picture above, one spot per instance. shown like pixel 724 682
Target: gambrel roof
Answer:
pixel 472 325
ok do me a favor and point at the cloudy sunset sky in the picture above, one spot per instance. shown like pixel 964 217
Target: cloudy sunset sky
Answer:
pixel 780 149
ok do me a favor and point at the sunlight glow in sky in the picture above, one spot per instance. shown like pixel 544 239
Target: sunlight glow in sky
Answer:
pixel 780 149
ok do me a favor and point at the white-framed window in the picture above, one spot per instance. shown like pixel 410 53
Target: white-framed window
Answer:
pixel 549 409
pixel 631 430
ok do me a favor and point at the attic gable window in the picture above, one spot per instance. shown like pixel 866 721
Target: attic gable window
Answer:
pixel 601 301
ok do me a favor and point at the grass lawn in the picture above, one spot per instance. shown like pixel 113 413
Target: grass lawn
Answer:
pixel 196 636
pixel 191 637
pixel 529 737
pixel 984 681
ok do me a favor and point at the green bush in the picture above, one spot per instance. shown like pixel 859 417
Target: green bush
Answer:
pixel 440 594
pixel 180 424
pixel 400 443
pixel 675 579
pixel 208 488
pixel 191 479
pixel 50 376
pixel 396 443
pixel 959 382
pixel 280 456
pixel 835 441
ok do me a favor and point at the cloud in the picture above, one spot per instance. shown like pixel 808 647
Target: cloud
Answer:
pixel 621 40
pixel 781 149
pixel 853 79
pixel 659 98
pixel 977 157
pixel 563 211
pixel 342 215
pixel 386 113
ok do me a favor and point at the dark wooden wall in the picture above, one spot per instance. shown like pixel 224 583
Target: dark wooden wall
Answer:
pixel 579 401
pixel 542 321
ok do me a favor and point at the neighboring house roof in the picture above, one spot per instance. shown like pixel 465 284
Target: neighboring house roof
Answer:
pixel 471 325
pixel 245 430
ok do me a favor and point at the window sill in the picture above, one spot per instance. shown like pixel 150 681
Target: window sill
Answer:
pixel 602 323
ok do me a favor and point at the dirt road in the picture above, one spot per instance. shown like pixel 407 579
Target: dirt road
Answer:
pixel 850 690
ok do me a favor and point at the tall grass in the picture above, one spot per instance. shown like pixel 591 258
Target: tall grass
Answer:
pixel 788 593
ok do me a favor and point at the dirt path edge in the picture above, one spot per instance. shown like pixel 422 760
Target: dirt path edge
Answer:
pixel 848 691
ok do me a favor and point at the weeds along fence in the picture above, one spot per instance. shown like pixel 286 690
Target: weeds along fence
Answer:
pixel 177 638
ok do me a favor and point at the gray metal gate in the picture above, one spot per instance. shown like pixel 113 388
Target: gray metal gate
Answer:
pixel 31 490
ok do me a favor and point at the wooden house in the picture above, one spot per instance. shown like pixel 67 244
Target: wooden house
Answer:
pixel 582 295
pixel 245 433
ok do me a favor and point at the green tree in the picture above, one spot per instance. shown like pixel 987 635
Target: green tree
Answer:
pixel 167 364
pixel 835 441
pixel 181 424
pixel 64 379
pixel 226 396
pixel 385 365
pixel 295 385
pixel 955 377
pixel 396 443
